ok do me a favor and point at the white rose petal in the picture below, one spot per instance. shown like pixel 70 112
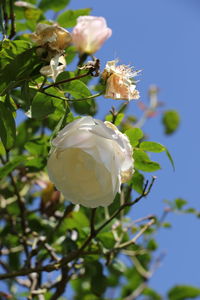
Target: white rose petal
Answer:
pixel 89 162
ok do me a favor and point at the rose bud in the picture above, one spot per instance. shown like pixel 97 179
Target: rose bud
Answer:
pixel 53 36
pixel 90 33
pixel 119 85
pixel 89 161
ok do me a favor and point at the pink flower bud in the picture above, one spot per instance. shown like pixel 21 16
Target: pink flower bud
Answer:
pixel 90 33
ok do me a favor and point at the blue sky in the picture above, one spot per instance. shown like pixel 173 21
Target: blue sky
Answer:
pixel 161 37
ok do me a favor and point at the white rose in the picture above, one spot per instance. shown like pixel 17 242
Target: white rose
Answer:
pixel 89 162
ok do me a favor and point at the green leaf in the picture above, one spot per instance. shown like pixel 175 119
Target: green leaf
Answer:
pixel 183 292
pixel 38 146
pixel 25 132
pixel 107 239
pixel 143 162
pixel 69 17
pixel 27 95
pixel 19 68
pixel 152 147
pixel 179 203
pixel 32 14
pixel 10 166
pixel 151 294
pixel 76 220
pixel 171 121
pixel 70 54
pixel 156 147
pixel 134 135
pixel 42 106
pixel 170 158
pixel 152 245
pixel 118 118
pixel 98 280
pixel 137 182
pixel 54 5
pixel 36 164
pixel 2 149
pixel 77 89
pixel 7 127
pixel 166 225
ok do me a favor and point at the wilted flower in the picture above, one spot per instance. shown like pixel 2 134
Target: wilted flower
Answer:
pixel 90 33
pixel 119 85
pixel 57 65
pixel 53 36
pixel 89 161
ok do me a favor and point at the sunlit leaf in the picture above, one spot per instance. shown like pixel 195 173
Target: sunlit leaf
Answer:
pixel 171 121
pixel 134 135
pixel 183 292
pixel 143 162
pixel 69 17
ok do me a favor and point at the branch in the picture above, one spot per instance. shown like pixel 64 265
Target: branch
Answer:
pixel 61 285
pixel 136 237
pixel 75 254
pixel 127 204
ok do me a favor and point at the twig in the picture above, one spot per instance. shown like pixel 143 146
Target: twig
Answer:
pixel 141 270
pixel 127 204
pixel 149 217
pixel 51 251
pixel 137 292
pixel 136 237
pixel 65 80
pixel 72 100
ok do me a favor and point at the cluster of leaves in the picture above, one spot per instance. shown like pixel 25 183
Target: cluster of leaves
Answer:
pixel 40 232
